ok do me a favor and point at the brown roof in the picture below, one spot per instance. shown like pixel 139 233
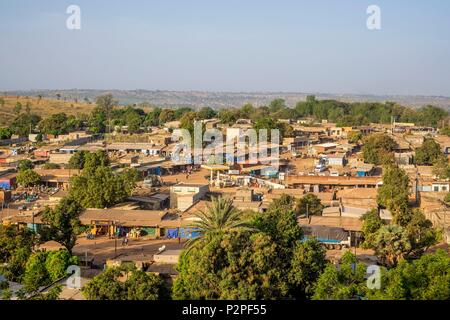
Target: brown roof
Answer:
pixel 127 218
pixel 362 193
pixel 353 224
pixel 340 181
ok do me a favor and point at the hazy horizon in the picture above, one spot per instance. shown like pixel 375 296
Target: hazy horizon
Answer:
pixel 321 47
pixel 36 90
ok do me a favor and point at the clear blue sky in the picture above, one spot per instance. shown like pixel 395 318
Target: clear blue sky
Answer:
pixel 227 45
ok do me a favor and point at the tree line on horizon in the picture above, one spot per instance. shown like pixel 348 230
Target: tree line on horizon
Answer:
pixel 107 114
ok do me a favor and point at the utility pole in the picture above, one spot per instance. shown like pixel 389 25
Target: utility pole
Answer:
pixel 115 247
pixel 307 213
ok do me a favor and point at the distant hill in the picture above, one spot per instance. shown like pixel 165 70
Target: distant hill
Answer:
pixel 43 107
pixel 218 100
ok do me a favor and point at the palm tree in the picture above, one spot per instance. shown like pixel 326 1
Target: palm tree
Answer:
pixel 221 216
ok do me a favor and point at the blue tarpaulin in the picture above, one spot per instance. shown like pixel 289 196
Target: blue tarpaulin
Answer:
pixel 172 233
pixel 189 233
pixel 5 184
pixel 183 233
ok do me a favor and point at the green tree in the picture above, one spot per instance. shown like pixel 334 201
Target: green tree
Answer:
pixel 431 115
pixel 145 286
pixel 105 286
pixel 111 285
pixel 310 204
pixel 247 111
pixel 36 274
pixel 25 165
pixel 427 278
pixel 282 226
pixel 269 124
pixel 428 153
pixel 308 263
pixel 206 113
pixel 284 203
pixel 57 262
pixel 62 223
pixel 24 124
pixel 133 121
pixel 219 217
pixel 152 118
pixel 354 137
pixel 180 112
pixel 106 103
pixel 44 268
pixel 277 105
pixel 100 187
pixel 371 224
pixel 187 121
pixel 394 193
pixel 240 263
pixel 77 160
pixel 166 115
pixel 441 168
pixel 15 248
pixel 93 160
pixel 15 267
pixel 28 178
pixel 346 282
pixel 378 149
pixel 39 137
pixel 100 117
pixel 229 116
pixel 421 234
pixel 234 265
pixel 51 294
pixel 57 124
pixel 391 244
pixel 97 120
pixel 5 133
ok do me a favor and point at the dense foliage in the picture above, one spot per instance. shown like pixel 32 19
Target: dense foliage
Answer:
pixel 394 193
pixel 62 223
pixel 125 284
pixel 427 278
pixel 28 178
pixel 310 205
pixel 428 153
pixel 44 268
pixel 98 186
pixel 268 261
pixel 410 233
pixel 378 149
pixel 15 248
pixel 345 282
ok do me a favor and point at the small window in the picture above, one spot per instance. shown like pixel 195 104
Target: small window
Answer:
pixel 436 188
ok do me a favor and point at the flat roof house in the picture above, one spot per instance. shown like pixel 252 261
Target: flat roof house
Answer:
pixel 183 196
